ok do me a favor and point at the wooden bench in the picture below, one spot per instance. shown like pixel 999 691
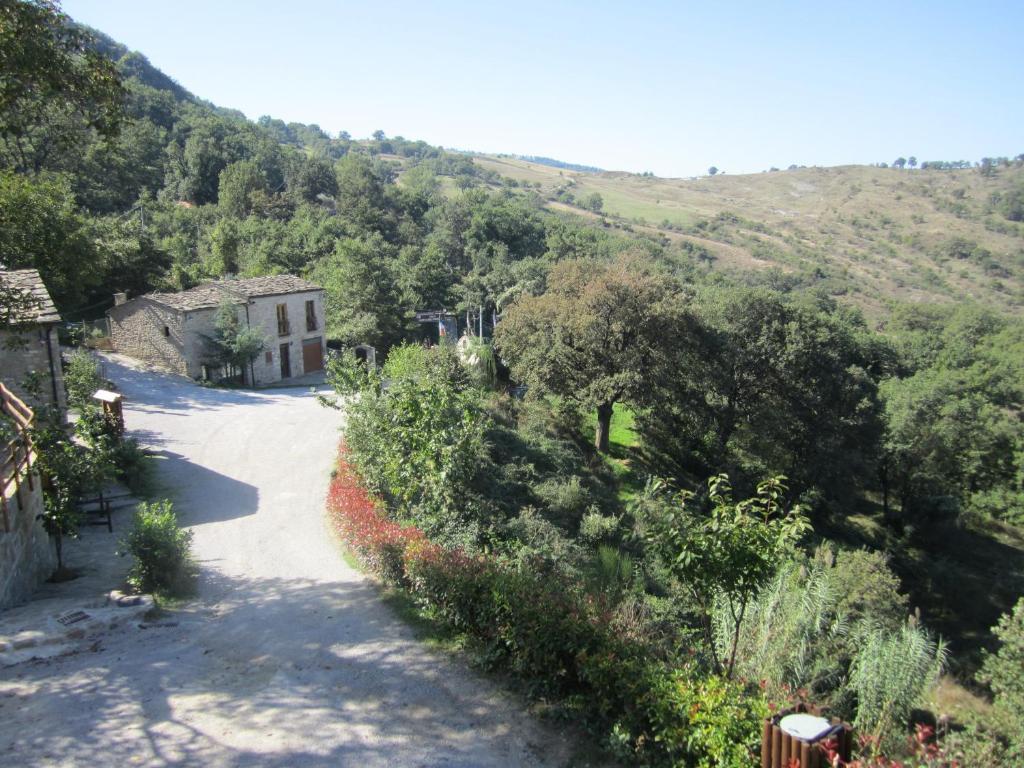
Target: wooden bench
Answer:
pixel 100 506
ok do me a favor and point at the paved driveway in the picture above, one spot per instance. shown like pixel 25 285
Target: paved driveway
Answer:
pixel 288 657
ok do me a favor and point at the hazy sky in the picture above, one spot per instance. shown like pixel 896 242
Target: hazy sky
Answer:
pixel 667 87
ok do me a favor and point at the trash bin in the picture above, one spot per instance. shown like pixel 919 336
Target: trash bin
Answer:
pixel 798 734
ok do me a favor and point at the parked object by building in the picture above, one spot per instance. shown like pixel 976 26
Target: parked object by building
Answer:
pixel 28 340
pixel 173 330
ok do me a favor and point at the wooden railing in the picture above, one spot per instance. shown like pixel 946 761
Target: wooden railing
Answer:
pixel 16 454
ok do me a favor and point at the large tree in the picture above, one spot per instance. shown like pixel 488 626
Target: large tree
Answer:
pixel 600 335
pixel 53 84
pixel 776 386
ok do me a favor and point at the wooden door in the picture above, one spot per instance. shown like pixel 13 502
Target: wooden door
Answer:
pixel 312 355
pixel 286 362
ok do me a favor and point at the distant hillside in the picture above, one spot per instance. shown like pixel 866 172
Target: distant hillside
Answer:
pixel 557 163
pixel 869 234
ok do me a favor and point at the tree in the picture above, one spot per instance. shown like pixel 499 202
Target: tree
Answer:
pixel 237 186
pixel 53 84
pixel 344 135
pixel 772 385
pixel 712 171
pixel 378 135
pixel 601 334
pixel 41 228
pixel 1004 672
pixel 363 305
pixel 912 161
pixel 231 344
pixel 594 202
pixel 899 162
pixel 730 553
pixel 72 466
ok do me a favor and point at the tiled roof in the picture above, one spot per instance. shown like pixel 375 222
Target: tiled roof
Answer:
pixel 200 297
pixel 213 294
pixel 28 281
pixel 271 285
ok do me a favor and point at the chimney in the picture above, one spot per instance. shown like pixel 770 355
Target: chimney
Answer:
pixel 120 298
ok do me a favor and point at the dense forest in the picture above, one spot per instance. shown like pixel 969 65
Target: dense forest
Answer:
pixel 898 435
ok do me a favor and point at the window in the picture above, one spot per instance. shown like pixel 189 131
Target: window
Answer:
pixel 269 357
pixel 167 330
pixel 283 328
pixel 310 315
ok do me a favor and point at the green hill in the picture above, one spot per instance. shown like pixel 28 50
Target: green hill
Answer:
pixel 870 234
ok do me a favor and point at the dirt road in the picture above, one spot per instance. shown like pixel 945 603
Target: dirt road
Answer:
pixel 288 657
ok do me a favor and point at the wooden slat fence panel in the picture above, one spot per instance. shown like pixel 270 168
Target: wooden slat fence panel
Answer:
pixel 17 455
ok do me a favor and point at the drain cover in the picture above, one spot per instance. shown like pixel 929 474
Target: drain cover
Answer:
pixel 72 617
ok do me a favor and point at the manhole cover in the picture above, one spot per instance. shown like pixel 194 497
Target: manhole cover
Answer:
pixel 72 617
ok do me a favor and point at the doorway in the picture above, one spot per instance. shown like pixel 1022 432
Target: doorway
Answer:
pixel 312 355
pixel 286 362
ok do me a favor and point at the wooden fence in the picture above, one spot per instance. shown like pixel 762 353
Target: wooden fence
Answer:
pixel 16 453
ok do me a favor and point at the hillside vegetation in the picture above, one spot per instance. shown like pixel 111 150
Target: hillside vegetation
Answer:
pixel 783 447
pixel 869 234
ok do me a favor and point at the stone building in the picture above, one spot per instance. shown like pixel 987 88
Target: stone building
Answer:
pixel 173 330
pixel 28 340
pixel 27 557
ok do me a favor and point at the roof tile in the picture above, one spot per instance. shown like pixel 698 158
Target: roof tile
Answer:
pixel 28 281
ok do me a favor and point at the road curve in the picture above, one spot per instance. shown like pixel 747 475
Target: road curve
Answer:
pixel 287 657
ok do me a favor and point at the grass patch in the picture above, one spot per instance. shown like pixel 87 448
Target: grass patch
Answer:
pixel 621 459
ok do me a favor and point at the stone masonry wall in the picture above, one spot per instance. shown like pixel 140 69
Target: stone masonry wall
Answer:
pixel 137 330
pixel 27 556
pixel 26 352
pixel 263 315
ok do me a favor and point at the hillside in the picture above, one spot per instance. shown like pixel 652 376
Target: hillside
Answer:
pixel 871 234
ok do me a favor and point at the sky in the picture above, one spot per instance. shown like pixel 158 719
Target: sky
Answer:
pixel 667 87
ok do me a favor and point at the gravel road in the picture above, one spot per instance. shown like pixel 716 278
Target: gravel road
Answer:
pixel 287 657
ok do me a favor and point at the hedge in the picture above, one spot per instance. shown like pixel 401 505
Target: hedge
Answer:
pixel 558 639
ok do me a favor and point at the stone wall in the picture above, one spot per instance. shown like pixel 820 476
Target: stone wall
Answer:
pixel 28 352
pixel 176 340
pixel 149 331
pixel 27 556
pixel 263 315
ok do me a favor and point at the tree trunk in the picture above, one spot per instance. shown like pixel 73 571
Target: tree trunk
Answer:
pixel 604 424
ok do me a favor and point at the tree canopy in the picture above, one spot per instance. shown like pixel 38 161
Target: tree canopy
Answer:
pixel 600 335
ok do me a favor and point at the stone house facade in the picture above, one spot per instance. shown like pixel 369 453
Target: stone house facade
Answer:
pixel 172 330
pixel 28 344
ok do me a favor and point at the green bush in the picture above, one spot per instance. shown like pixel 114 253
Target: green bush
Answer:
pixel 890 675
pixel 1003 671
pixel 133 467
pixel 161 551
pixel 82 378
pixel 725 723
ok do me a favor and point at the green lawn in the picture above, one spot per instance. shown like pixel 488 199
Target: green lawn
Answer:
pixel 623 441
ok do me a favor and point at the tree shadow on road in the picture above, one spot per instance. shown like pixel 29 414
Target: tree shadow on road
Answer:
pixel 223 497
pixel 270 672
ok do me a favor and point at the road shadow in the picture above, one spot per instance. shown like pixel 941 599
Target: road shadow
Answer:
pixel 269 672
pixel 223 497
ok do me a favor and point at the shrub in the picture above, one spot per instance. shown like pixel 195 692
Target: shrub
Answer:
pixel 81 378
pixel 890 675
pixel 419 442
pixel 161 550
pixel 377 541
pixel 562 641
pixel 725 723
pixel 566 498
pixel 133 467
pixel 1003 671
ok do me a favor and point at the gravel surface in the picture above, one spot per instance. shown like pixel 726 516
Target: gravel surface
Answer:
pixel 287 657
